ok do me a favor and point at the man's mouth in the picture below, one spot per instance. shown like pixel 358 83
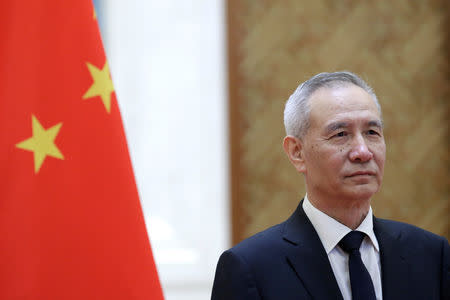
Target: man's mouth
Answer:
pixel 361 173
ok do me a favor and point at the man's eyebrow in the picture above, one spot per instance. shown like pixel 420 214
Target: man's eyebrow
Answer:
pixel 339 125
pixel 375 123
pixel 335 126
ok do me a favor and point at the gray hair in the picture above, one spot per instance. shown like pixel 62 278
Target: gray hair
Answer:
pixel 297 109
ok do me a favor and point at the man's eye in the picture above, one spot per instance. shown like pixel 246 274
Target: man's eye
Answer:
pixel 340 134
pixel 373 132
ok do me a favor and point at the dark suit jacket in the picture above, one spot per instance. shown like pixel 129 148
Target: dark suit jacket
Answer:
pixel 288 261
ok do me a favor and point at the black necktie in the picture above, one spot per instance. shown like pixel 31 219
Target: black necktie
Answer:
pixel 360 281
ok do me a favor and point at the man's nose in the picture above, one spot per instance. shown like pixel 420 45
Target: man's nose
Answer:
pixel 360 152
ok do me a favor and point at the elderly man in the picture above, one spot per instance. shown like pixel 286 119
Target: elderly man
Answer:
pixel 332 247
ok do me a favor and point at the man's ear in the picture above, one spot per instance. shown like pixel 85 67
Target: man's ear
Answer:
pixel 294 150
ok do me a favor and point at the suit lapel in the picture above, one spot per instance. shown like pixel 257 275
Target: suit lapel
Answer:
pixel 394 268
pixel 306 255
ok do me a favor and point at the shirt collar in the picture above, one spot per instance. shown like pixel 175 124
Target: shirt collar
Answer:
pixel 331 231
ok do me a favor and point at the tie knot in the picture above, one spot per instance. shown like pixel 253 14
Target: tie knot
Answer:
pixel 352 241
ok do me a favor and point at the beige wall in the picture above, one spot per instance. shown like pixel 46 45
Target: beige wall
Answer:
pixel 399 47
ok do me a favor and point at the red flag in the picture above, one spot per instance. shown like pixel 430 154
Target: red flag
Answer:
pixel 71 225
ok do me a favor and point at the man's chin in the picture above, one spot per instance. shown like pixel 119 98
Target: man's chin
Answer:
pixel 361 191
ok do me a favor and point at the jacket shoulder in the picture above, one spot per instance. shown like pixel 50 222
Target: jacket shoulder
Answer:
pixel 409 233
pixel 265 241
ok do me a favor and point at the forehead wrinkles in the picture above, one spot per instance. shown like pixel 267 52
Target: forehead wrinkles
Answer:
pixel 347 97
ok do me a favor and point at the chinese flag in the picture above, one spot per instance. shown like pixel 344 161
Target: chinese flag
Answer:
pixel 71 225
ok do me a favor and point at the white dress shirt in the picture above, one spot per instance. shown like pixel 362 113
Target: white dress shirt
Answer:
pixel 331 232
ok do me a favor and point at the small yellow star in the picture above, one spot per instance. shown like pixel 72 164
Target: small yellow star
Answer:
pixel 41 143
pixel 94 13
pixel 102 85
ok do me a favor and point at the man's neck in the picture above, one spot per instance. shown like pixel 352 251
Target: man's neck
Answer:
pixel 348 212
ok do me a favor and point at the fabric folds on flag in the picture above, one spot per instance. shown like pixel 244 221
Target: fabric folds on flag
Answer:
pixel 71 225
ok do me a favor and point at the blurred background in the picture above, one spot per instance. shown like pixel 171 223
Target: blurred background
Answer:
pixel 202 85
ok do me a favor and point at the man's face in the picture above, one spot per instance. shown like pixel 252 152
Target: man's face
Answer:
pixel 343 151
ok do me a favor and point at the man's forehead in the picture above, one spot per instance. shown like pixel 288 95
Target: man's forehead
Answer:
pixel 341 99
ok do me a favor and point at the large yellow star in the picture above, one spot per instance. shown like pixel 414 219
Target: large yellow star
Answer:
pixel 42 143
pixel 102 85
